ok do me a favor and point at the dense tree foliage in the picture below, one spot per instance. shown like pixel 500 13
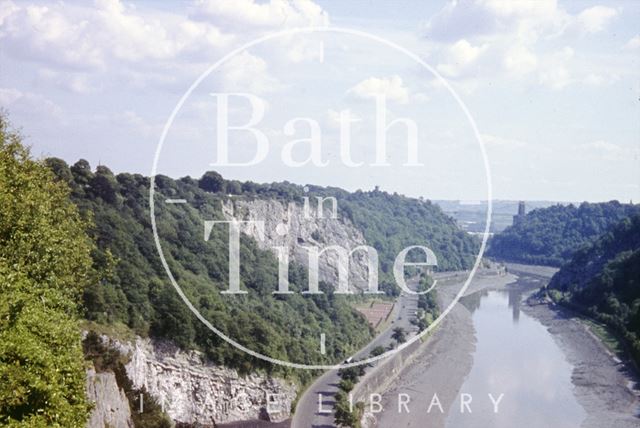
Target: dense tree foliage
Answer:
pixel 391 222
pixel 136 291
pixel 603 280
pixel 550 236
pixel 399 335
pixel 428 309
pixel 45 264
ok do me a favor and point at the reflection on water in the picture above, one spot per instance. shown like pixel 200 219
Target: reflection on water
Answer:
pixel 517 356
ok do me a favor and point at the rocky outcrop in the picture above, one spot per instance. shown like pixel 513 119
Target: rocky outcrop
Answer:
pixel 287 225
pixel 188 389
pixel 110 404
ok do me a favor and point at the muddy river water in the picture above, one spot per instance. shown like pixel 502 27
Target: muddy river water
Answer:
pixel 516 356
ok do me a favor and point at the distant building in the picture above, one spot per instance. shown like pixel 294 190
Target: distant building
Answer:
pixel 519 218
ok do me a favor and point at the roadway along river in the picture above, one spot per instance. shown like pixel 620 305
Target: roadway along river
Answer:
pixel 547 371
pixel 308 412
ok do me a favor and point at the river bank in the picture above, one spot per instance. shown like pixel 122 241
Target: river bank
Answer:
pixel 595 382
pixel 605 386
pixel 599 382
pixel 442 363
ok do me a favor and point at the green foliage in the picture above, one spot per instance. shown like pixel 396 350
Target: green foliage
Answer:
pixel 211 181
pixel 136 292
pixel 550 236
pixel 378 350
pixel 427 301
pixel 603 280
pixel 399 335
pixel 391 222
pixel 344 415
pixel 352 374
pixel 135 289
pixel 45 263
pixel 346 385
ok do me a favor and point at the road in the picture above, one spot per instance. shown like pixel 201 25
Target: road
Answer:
pixel 315 407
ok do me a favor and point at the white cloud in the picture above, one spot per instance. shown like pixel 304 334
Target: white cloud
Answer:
pixel 554 72
pixel 420 97
pixel 247 72
pixel 29 104
pixel 75 82
pixel 94 37
pixel 42 33
pixel 488 18
pixel 9 96
pixel 633 43
pixel 494 141
pixel 606 150
pixel 459 56
pixel 137 123
pixel 240 14
pixel 520 60
pixel 594 79
pixel 602 145
pixel 333 118
pixel 516 41
pixel 391 87
pixel 138 46
pixel 596 18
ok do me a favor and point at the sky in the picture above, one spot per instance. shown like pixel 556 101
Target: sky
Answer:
pixel 553 88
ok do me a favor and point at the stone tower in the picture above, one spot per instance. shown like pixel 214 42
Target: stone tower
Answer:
pixel 519 218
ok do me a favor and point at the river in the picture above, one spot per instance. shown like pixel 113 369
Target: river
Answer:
pixel 516 356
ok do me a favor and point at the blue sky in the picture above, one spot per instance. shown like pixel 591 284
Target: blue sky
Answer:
pixel 554 88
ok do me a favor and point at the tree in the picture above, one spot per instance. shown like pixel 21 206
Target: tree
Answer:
pixel 137 293
pixel 351 373
pixel 346 385
pixel 82 174
pixel 104 185
pixel 234 187
pixel 378 350
pixel 45 263
pixel 211 181
pixel 60 169
pixel 602 280
pixel 399 335
pixel 344 415
pixel 551 235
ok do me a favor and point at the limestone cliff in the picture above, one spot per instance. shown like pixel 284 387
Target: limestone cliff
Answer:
pixel 287 225
pixel 111 407
pixel 189 389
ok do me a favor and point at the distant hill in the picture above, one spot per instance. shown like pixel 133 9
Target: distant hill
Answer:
pixel 603 279
pixel 136 291
pixel 550 236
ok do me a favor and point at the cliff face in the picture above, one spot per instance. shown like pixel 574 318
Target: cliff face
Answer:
pixel 111 407
pixel 187 388
pixel 287 225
